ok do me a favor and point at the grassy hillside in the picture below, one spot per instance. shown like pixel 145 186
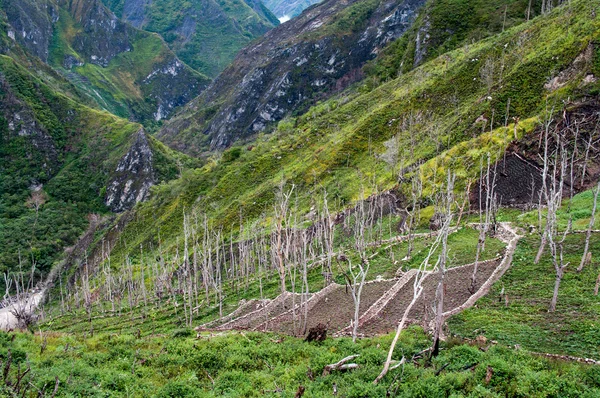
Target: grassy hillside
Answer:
pixel 446 25
pixel 340 144
pixel 516 311
pixel 451 113
pixel 431 113
pixel 204 34
pixel 136 77
pixel 56 159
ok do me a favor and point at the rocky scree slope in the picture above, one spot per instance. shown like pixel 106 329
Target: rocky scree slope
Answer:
pixel 126 71
pixel 205 34
pixel 308 59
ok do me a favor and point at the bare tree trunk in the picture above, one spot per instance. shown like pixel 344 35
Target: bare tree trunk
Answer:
pixel 584 258
pixel 417 290
pixel 439 315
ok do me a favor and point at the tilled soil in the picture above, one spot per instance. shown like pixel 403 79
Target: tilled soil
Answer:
pixel 457 282
pixel 336 309
pixel 274 308
pixel 243 310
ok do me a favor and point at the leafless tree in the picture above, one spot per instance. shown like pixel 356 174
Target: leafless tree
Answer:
pixel 35 201
pixel 281 212
pixel 584 257
pixel 486 218
pixel 446 201
pixel 417 291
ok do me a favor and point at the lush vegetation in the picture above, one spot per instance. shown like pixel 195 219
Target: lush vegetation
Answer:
pixel 342 145
pixel 67 153
pixel 446 25
pixel 259 364
pixel 516 310
pixel 449 114
pixel 195 28
pixel 124 87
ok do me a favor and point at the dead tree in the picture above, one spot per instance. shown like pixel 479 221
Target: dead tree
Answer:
pixel 544 195
pixel 552 191
pixel 484 220
pixel 447 202
pixel 417 291
pixel 584 257
pixel 281 212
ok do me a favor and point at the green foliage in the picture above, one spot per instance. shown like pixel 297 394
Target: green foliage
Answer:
pixel 338 145
pixel 445 25
pixel 528 288
pixel 70 150
pixel 251 365
pixel 195 28
pixel 123 87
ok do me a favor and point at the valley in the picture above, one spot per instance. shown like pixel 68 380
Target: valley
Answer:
pixel 355 198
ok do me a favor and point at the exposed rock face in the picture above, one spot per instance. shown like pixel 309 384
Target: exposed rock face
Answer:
pixel 289 69
pixel 171 85
pixel 104 36
pixel 31 24
pixel 156 81
pixel 133 177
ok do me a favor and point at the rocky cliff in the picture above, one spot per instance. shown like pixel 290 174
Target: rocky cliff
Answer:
pixel 61 161
pixel 133 176
pixel 308 59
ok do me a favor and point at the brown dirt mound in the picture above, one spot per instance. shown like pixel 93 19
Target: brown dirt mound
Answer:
pixel 272 309
pixel 336 309
pixel 457 292
pixel 243 310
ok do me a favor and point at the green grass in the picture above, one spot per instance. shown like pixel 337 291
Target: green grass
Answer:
pixel 574 327
pixel 232 25
pixel 448 24
pixel 258 364
pixel 121 87
pixel 338 144
pixel 74 163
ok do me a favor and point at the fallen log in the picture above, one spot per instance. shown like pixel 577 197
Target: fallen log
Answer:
pixel 341 365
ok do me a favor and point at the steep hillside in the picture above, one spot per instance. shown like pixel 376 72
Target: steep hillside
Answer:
pixel 204 288
pixel 205 34
pixel 126 71
pixel 444 25
pixel 447 114
pixel 308 59
pixel 288 9
pixel 60 162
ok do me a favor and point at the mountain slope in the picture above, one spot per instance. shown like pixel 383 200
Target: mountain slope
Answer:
pixel 293 66
pixel 126 71
pixel 287 9
pixel 444 25
pixel 61 161
pixel 432 115
pixel 205 34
